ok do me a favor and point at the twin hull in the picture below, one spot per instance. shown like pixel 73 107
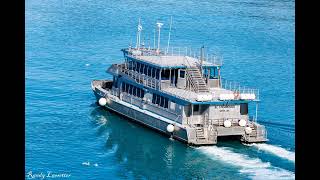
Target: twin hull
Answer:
pixel 140 116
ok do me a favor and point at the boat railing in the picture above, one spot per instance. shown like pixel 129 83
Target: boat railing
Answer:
pixel 138 77
pixel 143 79
pixel 190 83
pixel 115 91
pixel 164 109
pixel 177 51
pixel 220 121
pixel 239 90
pixel 260 131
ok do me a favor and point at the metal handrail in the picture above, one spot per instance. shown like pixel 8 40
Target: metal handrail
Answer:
pixel 178 51
pixel 140 78
pixel 236 87
pixel 219 121
pixel 123 70
pixel 189 78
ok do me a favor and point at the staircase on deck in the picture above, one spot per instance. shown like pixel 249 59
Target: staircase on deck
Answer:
pixel 196 80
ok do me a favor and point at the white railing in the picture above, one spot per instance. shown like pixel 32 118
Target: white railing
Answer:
pixel 220 121
pixel 115 91
pixel 138 77
pixel 238 89
pixel 177 51
pixel 145 80
pixel 189 78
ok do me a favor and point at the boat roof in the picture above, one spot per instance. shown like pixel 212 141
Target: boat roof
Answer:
pixel 172 61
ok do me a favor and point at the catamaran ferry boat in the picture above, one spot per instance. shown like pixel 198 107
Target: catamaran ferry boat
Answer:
pixel 179 92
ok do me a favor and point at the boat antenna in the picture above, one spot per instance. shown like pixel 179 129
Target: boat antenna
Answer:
pixel 159 27
pixel 169 35
pixel 138 34
pixel 144 39
pixel 201 56
pixel 154 39
pixel 149 41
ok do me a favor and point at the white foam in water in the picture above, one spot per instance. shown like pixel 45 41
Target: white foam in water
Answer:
pixel 276 150
pixel 254 167
pixel 86 163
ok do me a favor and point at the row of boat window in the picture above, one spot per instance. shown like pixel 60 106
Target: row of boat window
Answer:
pixel 133 90
pixel 144 69
pixel 210 73
pixel 160 100
pixel 139 92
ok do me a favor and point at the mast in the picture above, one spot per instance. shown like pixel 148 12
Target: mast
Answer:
pixel 138 35
pixel 154 39
pixel 159 27
pixel 169 35
pixel 201 57
pixel 256 112
pixel 149 43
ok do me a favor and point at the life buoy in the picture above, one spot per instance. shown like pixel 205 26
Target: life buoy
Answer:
pixel 236 94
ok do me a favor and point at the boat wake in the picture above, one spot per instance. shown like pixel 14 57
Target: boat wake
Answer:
pixel 254 167
pixel 276 150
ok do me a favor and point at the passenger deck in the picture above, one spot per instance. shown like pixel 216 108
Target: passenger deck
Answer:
pixel 191 95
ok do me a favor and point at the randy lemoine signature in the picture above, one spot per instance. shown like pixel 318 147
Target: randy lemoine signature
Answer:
pixel 48 174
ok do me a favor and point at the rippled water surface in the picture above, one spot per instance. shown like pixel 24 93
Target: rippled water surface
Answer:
pixel 71 42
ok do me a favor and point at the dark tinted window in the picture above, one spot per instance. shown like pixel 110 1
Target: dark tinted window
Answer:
pixel 244 108
pixel 182 74
pixel 195 107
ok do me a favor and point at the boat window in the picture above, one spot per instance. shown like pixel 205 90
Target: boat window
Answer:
pixel 196 108
pixel 134 65
pixel 187 110
pixel 182 74
pixel 157 73
pixel 165 74
pixel 152 72
pixel 153 98
pixel 141 68
pixel 213 73
pixel 149 71
pixel 160 100
pixel 123 87
pixel 133 90
pixel 166 102
pixel 145 70
pixel 115 82
pixel 244 108
pixel 172 105
pixel 157 99
pixel 204 107
pixel 138 66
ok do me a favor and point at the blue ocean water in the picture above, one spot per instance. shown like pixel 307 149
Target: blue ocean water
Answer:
pixel 71 42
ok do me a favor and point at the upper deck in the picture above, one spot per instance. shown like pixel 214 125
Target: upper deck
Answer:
pixel 224 91
pixel 173 58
